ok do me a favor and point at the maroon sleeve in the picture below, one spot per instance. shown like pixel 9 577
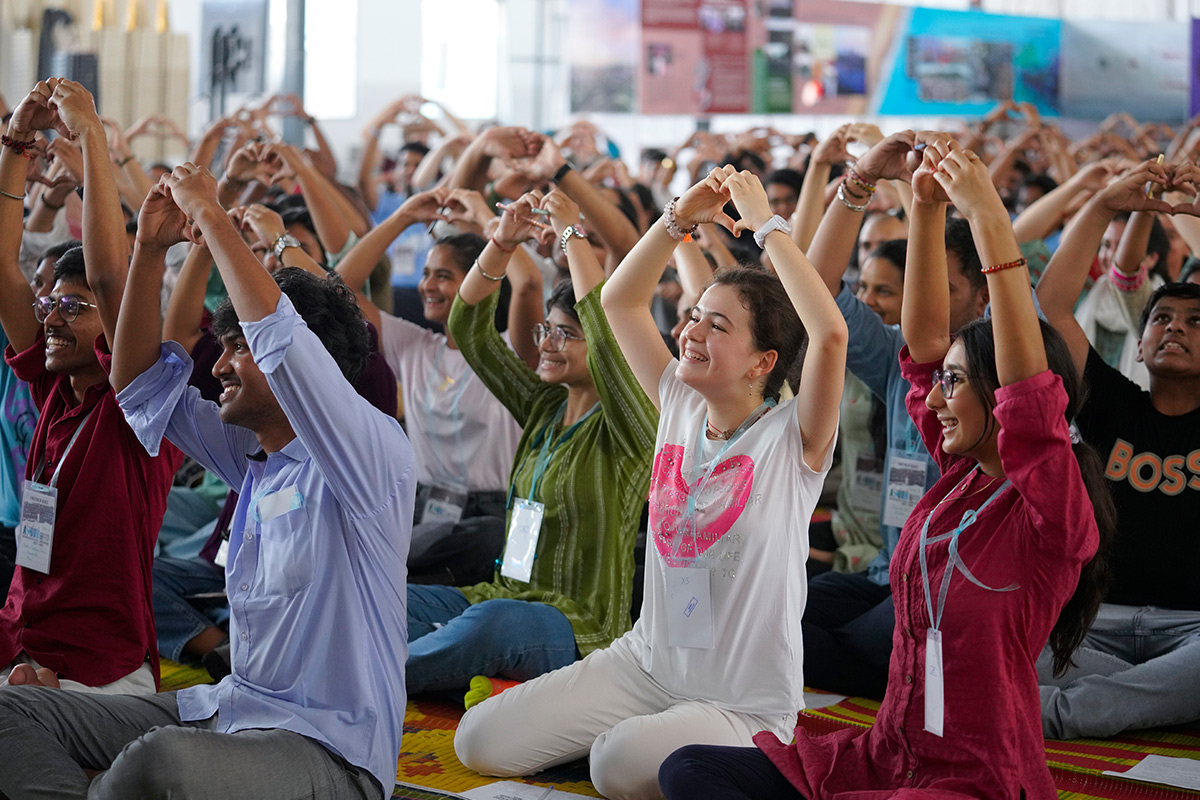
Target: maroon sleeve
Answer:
pixel 30 366
pixel 1037 456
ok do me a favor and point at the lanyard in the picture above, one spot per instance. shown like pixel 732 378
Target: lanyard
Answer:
pixel 695 490
pixel 955 561
pixel 549 447
pixel 41 467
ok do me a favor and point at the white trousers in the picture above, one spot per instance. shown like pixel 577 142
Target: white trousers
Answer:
pixel 140 681
pixel 606 707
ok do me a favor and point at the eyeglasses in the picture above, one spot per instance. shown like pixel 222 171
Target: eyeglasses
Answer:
pixel 947 379
pixel 68 307
pixel 557 335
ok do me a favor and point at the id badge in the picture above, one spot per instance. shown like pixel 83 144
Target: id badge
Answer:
pixel 35 531
pixel 444 504
pixel 867 492
pixel 523 531
pixel 222 556
pixel 689 607
pixel 935 699
pixel 906 485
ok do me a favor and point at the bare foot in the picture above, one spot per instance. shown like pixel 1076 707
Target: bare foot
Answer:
pixel 26 675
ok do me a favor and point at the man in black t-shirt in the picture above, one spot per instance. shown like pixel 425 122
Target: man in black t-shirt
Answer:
pixel 1139 664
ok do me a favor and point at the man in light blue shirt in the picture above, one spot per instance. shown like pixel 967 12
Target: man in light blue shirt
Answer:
pixel 315 566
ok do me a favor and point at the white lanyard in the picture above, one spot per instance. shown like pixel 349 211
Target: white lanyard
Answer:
pixel 41 467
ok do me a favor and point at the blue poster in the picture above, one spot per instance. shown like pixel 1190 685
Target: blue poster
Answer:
pixel 962 63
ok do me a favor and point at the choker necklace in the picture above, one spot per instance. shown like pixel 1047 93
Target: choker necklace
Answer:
pixel 713 432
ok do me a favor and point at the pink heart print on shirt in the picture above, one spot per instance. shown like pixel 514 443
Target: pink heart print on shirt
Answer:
pixel 725 497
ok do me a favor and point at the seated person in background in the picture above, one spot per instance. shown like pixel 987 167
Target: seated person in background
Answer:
pixel 1140 661
pixel 326 491
pixel 737 474
pixel 577 488
pixel 988 560
pixel 463 437
pixel 79 607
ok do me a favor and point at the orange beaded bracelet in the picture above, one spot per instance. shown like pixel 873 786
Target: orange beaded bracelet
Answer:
pixel 1020 262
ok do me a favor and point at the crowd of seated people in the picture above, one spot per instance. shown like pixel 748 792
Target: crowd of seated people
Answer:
pixel 519 420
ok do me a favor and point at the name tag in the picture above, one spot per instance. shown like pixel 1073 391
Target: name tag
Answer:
pixel 689 607
pixel 867 492
pixel 35 531
pixel 935 701
pixel 524 527
pixel 906 485
pixel 443 503
pixel 222 556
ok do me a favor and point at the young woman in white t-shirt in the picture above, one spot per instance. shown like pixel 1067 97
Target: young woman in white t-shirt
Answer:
pixel 463 438
pixel 716 655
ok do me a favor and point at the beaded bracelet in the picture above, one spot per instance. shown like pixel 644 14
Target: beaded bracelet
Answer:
pixel 484 274
pixel 857 180
pixel 841 195
pixel 1020 262
pixel 17 145
pixel 677 233
pixel 1127 283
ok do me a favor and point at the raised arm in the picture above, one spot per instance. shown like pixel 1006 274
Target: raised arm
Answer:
pixel 139 327
pixel 1064 277
pixel 517 226
pixel 254 293
pixel 810 208
pixel 471 171
pixel 831 248
pixel 820 391
pixel 1020 351
pixel 105 245
pixel 185 309
pixel 925 314
pixel 627 295
pixel 321 198
pixel 1045 215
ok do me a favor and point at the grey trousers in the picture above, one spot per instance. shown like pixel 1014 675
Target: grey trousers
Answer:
pixel 49 737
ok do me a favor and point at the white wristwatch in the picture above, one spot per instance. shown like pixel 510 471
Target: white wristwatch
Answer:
pixel 775 223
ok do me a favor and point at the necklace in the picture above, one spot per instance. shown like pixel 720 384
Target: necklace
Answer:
pixel 713 432
pixel 987 485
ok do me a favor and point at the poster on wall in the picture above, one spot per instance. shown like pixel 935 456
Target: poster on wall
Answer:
pixel 696 57
pixel 964 62
pixel 602 43
pixel 821 57
pixel 1145 64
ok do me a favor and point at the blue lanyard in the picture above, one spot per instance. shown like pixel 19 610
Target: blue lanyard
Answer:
pixel 695 490
pixel 549 446
pixel 954 561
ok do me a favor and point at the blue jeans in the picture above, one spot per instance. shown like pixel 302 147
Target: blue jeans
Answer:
pixel 176 619
pixel 1138 667
pixel 452 641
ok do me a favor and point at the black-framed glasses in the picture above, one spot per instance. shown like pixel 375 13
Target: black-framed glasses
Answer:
pixel 947 379
pixel 68 306
pixel 557 335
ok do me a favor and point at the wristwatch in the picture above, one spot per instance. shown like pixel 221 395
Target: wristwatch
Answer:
pixel 775 223
pixel 286 240
pixel 568 232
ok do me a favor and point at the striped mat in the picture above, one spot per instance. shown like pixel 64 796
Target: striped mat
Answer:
pixel 1075 764
pixel 427 756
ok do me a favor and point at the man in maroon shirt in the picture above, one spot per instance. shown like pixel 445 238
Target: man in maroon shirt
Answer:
pixel 78 612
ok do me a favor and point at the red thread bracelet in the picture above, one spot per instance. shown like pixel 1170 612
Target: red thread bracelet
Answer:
pixel 502 247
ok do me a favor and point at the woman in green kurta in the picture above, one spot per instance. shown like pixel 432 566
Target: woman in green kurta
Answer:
pixel 580 478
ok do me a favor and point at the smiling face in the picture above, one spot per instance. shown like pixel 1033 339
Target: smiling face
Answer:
pixel 246 399
pixel 968 427
pixel 1170 343
pixel 70 345
pixel 569 365
pixel 717 355
pixel 439 284
pixel 881 287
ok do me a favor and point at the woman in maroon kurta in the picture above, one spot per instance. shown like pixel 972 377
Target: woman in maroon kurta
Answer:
pixel 1006 532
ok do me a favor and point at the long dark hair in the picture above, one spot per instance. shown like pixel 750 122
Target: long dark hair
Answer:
pixel 979 343
pixel 774 324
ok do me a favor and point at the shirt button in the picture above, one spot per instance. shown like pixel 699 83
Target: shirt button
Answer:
pixel 908 774
pixel 904 578
pixel 244 637
pixel 245 586
pixel 907 678
pixel 249 536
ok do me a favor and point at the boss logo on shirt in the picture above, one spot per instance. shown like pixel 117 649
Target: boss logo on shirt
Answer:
pixel 1149 471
